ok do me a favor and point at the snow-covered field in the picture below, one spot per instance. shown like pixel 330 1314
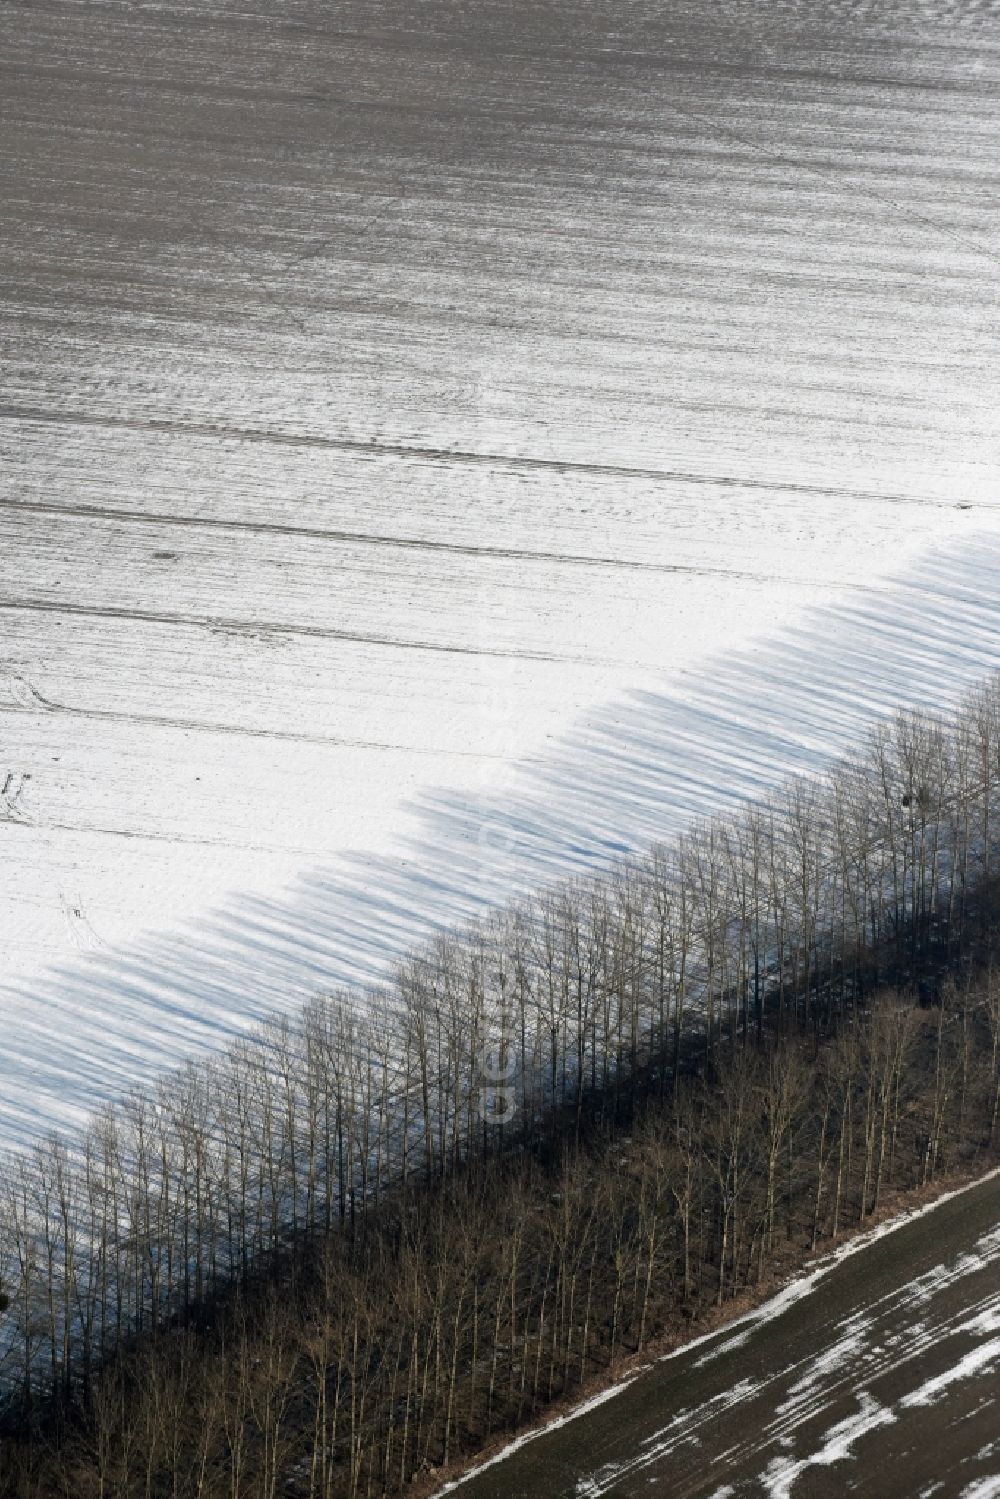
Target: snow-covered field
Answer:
pixel 445 445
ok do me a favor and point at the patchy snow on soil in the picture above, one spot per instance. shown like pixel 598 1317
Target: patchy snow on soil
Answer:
pixel 682 1430
pixel 782 1474
pixel 845 1348
pixel 557 1422
pixel 981 1360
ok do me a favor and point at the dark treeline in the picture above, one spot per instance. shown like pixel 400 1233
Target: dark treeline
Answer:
pixel 338 1255
pixel 457 1311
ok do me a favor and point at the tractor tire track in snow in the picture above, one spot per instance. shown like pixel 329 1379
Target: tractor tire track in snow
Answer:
pixel 267 628
pixel 499 462
pixel 26 699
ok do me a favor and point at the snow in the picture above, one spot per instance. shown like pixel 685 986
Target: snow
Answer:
pixel 531 1435
pixel 782 1473
pixel 842 1350
pixel 982 1358
pixel 681 1430
pixel 443 476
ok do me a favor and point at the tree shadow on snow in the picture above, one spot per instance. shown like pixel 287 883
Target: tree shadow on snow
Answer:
pixel 631 771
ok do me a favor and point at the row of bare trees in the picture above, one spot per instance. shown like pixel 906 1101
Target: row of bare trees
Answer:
pixel 783 916
pixel 459 1310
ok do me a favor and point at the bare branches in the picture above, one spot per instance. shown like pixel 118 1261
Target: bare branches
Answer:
pixel 777 921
